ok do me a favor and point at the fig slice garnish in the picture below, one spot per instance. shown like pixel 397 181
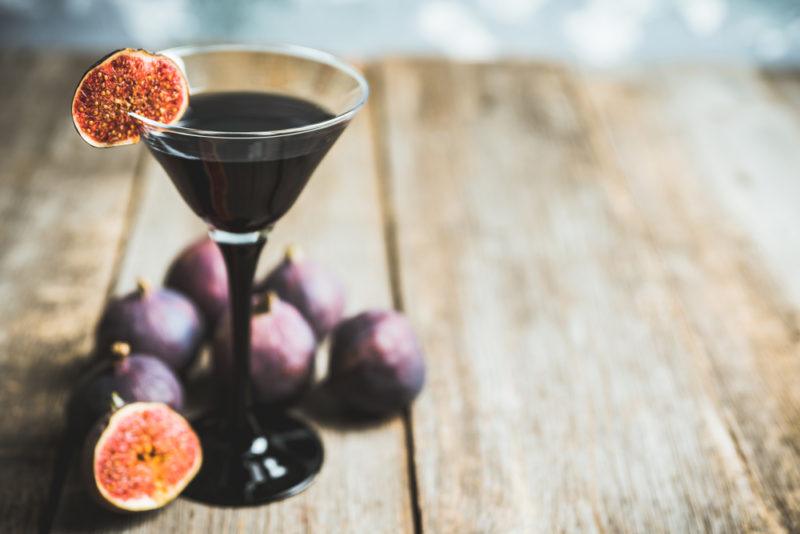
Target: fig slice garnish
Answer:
pixel 126 81
pixel 142 457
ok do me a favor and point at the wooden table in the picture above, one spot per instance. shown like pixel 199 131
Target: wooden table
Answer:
pixel 604 270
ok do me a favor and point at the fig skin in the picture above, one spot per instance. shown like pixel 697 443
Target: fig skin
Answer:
pixel 198 272
pixel 160 322
pixel 282 353
pixel 134 377
pixel 315 291
pixel 376 363
pixel 104 429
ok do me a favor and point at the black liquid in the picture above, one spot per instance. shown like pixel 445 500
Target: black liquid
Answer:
pixel 244 184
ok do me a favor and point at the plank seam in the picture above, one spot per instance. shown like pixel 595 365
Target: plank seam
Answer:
pixel 388 221
pixel 68 445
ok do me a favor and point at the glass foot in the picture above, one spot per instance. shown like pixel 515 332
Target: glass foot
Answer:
pixel 275 457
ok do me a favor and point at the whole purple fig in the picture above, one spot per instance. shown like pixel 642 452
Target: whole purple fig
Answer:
pixel 376 364
pixel 159 322
pixel 199 273
pixel 281 357
pixel 134 377
pixel 315 291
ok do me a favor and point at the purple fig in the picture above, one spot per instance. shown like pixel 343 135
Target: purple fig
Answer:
pixel 315 291
pixel 199 273
pixel 160 322
pixel 376 364
pixel 134 377
pixel 282 353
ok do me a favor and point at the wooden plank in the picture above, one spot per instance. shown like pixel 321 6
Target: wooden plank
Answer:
pixel 567 391
pixel 63 210
pixel 710 160
pixel 363 486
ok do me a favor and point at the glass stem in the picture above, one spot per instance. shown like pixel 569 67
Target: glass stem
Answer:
pixel 241 252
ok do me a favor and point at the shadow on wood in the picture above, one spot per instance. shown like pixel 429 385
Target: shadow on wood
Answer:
pixel 88 516
pixel 324 408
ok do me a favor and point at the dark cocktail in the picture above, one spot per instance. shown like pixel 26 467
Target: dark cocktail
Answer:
pixel 245 190
pixel 260 119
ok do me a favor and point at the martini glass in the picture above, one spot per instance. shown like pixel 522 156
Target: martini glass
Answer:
pixel 260 120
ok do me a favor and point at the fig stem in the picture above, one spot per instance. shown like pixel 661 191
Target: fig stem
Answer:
pixel 143 286
pixel 294 253
pixel 120 350
pixel 116 401
pixel 271 300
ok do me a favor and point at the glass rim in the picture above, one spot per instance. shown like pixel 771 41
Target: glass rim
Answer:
pixel 297 51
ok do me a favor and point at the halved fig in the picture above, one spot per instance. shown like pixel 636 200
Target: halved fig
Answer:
pixel 141 457
pixel 127 81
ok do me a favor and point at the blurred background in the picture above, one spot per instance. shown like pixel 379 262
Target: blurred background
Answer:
pixel 592 32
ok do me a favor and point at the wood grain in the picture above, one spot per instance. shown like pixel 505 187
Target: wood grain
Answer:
pixel 572 385
pixel 63 212
pixel 715 185
pixel 363 486
pixel 601 268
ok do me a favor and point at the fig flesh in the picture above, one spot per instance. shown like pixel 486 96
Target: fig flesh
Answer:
pixel 282 353
pixel 376 363
pixel 160 322
pixel 134 377
pixel 141 457
pixel 311 288
pixel 199 273
pixel 126 81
